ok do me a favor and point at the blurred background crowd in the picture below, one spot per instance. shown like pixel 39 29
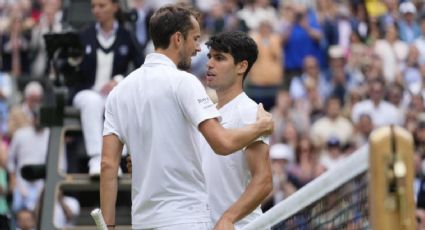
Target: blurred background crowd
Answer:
pixel 330 72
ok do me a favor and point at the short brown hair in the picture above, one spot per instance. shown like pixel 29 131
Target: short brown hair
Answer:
pixel 168 20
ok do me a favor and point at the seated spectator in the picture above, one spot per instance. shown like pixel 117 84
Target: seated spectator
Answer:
pixel 408 27
pixel 311 76
pixel 15 45
pixel 333 124
pixel 50 22
pixel 393 53
pixel 381 112
pixel 307 166
pixel 28 146
pixel 332 154
pixel 22 115
pixel 362 131
pixel 25 220
pixel 283 114
pixel 281 156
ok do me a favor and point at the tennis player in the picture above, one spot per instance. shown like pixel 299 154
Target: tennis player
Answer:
pixel 237 183
pixel 157 112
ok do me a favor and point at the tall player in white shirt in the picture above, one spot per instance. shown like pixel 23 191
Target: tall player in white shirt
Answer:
pixel 157 112
pixel 237 183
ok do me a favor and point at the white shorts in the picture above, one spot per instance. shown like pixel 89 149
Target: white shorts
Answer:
pixel 190 226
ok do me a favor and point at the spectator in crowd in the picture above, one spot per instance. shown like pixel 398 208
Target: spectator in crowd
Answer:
pixel 339 74
pixel 15 45
pixel 144 12
pixel 51 21
pixel 311 76
pixel 25 220
pixel 408 27
pixel 28 146
pixel 307 166
pixel 363 129
pixel 281 156
pixel 301 34
pixel 354 95
pixel 326 16
pixel 420 41
pixel 266 75
pixel 5 98
pixel 108 51
pixel 333 124
pixel 392 15
pixel 291 135
pixel 332 155
pixel 360 21
pixel 395 96
pixel 311 89
pixel 419 136
pixel 358 54
pixel 284 113
pixel 256 11
pixel 411 74
pixel 223 17
pixel 392 51
pixel 22 115
pixel 381 111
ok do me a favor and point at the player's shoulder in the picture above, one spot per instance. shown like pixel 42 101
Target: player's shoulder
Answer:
pixel 246 104
pixel 246 109
pixel 187 81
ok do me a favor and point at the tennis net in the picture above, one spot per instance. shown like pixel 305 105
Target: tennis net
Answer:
pixel 336 200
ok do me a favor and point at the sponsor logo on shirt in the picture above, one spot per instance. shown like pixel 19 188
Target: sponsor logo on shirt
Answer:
pixel 204 100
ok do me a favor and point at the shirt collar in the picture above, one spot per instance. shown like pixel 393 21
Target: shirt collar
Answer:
pixel 157 58
pixel 114 28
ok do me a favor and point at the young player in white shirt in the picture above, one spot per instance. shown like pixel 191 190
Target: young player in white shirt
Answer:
pixel 239 182
pixel 157 112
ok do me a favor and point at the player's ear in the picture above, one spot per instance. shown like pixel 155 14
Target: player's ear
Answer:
pixel 242 67
pixel 177 39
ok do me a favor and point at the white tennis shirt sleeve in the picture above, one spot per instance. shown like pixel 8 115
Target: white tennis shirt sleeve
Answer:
pixel 110 125
pixel 248 116
pixel 194 101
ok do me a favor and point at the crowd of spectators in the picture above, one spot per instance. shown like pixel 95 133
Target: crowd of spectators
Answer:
pixel 330 72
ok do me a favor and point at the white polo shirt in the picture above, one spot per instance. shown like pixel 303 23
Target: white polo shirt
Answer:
pixel 156 111
pixel 383 114
pixel 228 176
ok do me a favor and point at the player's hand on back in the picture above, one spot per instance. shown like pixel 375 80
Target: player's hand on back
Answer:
pixel 265 120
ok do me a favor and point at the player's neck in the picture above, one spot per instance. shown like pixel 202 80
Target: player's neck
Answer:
pixel 171 54
pixel 225 96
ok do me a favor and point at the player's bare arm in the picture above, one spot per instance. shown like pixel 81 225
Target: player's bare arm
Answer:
pixel 226 141
pixel 111 156
pixel 257 156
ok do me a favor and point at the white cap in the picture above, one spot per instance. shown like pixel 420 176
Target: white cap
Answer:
pixel 282 152
pixel 33 88
pixel 407 7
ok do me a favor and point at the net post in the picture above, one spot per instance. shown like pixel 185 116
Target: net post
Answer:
pixel 392 204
